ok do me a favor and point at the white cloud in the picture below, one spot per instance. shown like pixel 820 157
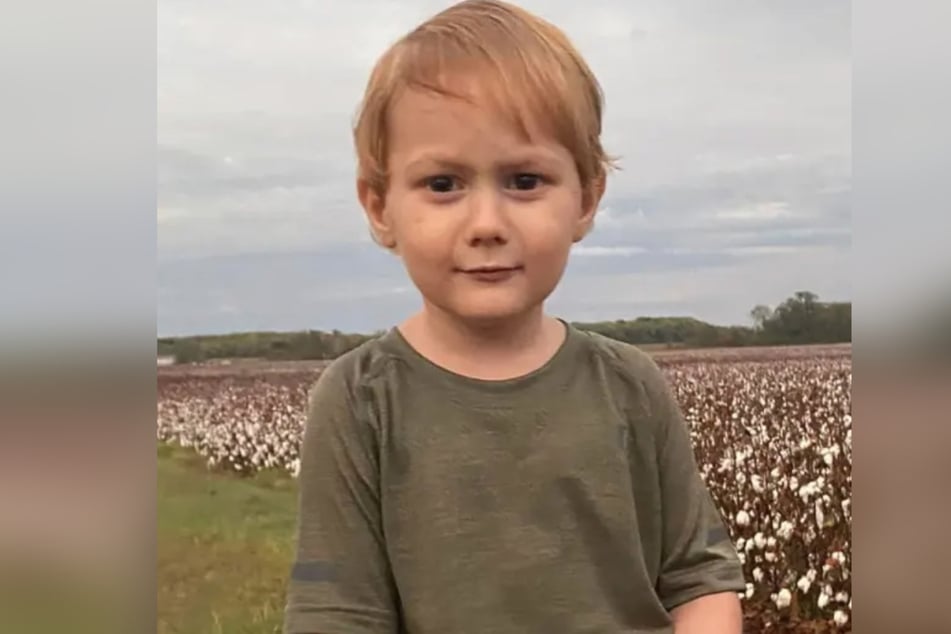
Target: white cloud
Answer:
pixel 597 251
pixel 772 210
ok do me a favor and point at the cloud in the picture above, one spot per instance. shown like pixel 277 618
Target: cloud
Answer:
pixel 597 251
pixel 732 119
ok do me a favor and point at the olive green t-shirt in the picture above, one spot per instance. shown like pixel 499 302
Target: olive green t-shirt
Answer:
pixel 566 500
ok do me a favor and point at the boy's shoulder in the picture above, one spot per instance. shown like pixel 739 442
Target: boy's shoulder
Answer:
pixel 628 360
pixel 637 382
pixel 355 366
pixel 629 355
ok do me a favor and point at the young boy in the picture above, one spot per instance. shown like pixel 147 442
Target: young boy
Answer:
pixel 483 467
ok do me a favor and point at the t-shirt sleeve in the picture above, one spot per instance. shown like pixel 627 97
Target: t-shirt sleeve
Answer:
pixel 697 553
pixel 340 581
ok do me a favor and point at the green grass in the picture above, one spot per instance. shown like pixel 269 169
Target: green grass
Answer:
pixel 225 546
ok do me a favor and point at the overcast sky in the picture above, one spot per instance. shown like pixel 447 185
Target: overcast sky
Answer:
pixel 732 120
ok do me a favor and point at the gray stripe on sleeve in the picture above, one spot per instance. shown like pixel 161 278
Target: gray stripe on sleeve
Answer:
pixel 314 571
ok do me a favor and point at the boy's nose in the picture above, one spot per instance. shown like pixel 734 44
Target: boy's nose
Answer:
pixel 488 223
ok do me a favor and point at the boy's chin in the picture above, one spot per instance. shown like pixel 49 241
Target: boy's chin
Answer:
pixel 491 313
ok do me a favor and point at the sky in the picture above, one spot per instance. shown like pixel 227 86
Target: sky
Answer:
pixel 732 121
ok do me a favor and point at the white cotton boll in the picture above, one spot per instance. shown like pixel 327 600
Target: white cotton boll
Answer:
pixel 793 483
pixel 740 478
pixel 812 574
pixel 805 443
pixel 843 597
pixel 823 601
pixel 740 543
pixel 757 574
pixel 749 545
pixel 749 590
pixel 774 473
pixel 839 557
pixel 785 530
pixel 759 540
pixel 804 584
pixel 808 490
pixel 840 618
pixel 783 599
pixel 771 542
pixel 828 458
pixel 770 557
pixel 741 557
pixel 742 519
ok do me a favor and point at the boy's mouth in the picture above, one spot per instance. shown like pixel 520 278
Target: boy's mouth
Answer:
pixel 491 268
pixel 491 273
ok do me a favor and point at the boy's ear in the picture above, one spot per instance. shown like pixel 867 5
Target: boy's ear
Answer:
pixel 374 205
pixel 590 199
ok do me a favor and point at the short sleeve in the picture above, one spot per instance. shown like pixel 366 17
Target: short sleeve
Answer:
pixel 697 553
pixel 340 580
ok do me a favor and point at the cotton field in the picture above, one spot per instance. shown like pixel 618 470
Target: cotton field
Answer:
pixel 772 434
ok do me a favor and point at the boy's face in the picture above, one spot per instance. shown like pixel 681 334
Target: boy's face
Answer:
pixel 482 217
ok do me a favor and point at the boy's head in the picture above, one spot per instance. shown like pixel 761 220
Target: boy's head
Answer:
pixel 480 160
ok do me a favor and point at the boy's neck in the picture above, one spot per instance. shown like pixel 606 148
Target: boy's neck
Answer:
pixel 485 351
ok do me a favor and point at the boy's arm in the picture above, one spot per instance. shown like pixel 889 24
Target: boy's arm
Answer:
pixel 700 573
pixel 341 580
pixel 709 614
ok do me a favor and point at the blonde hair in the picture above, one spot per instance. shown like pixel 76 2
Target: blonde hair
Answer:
pixel 531 69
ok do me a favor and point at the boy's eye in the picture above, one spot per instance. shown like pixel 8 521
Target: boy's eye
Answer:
pixel 440 184
pixel 526 181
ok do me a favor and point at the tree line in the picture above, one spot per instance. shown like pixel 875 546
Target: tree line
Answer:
pixel 800 319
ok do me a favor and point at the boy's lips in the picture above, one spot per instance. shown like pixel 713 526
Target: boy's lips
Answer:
pixel 490 268
pixel 491 273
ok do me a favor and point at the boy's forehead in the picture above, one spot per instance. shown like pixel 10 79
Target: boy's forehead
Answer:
pixel 470 106
pixel 446 130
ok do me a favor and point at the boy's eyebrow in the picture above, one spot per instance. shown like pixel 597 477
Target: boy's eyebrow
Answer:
pixel 435 159
pixel 521 159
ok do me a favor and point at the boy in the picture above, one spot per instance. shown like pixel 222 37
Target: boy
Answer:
pixel 483 467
